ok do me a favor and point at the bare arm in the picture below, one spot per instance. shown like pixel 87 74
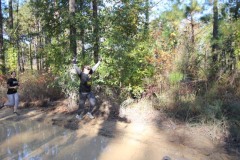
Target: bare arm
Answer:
pixel 77 69
pixel 12 87
pixel 96 66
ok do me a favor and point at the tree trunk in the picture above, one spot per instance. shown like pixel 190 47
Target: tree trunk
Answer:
pixel 36 53
pixel 95 31
pixel 236 14
pixel 82 41
pixel 40 53
pixel 17 41
pixel 215 63
pixel 73 41
pixel 22 59
pixel 10 3
pixel 2 59
pixel 192 30
pixel 30 55
pixel 146 24
pixel 215 31
pixel 82 29
pixel 46 42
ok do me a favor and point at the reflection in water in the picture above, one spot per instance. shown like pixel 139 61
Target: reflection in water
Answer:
pixel 19 139
pixel 37 141
pixel 31 140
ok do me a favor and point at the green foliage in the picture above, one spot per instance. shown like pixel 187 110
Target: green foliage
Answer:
pixel 167 34
pixel 57 56
pixel 11 58
pixel 193 8
pixel 175 77
pixel 124 51
pixel 213 110
pixel 236 45
pixel 126 18
pixel 67 81
pixel 136 91
pixel 127 68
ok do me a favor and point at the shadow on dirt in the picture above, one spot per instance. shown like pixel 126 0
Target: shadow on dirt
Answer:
pixel 108 110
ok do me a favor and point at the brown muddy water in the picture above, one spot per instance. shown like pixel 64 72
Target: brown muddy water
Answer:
pixel 102 140
pixel 38 141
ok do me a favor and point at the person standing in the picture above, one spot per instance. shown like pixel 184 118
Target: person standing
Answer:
pixel 12 94
pixel 85 91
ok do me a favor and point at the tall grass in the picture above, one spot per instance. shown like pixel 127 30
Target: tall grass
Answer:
pixel 217 106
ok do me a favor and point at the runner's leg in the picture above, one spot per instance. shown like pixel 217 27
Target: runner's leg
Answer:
pixel 92 101
pixel 10 101
pixel 82 100
pixel 16 100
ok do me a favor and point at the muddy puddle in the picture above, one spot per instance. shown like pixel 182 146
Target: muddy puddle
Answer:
pixel 40 141
pixel 102 140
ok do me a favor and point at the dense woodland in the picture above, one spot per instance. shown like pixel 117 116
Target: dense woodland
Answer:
pixel 186 55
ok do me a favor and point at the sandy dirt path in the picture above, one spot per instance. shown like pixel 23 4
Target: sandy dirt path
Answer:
pixel 103 139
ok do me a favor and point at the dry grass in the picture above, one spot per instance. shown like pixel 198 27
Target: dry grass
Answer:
pixel 34 87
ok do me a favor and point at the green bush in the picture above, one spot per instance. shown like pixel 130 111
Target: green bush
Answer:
pixel 213 110
pixel 11 58
pixel 126 68
pixel 175 77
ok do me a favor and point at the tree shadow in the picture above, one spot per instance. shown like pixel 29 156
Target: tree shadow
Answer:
pixel 107 111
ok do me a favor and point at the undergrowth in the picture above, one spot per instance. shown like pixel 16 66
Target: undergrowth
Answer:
pixel 34 86
pixel 217 105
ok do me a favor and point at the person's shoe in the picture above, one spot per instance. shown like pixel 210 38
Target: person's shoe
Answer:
pixel 2 105
pixel 79 117
pixel 90 115
pixel 16 113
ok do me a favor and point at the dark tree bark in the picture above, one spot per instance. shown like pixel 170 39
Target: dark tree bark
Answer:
pixel 215 63
pixel 10 23
pixel 236 14
pixel 30 55
pixel 10 3
pixel 192 30
pixel 82 29
pixel 95 31
pixel 215 31
pixel 146 24
pixel 2 59
pixel 73 42
pixel 20 64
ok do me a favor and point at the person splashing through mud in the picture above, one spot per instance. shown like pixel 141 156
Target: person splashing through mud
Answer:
pixel 85 89
pixel 12 94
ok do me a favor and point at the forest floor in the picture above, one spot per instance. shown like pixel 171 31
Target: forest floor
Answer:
pixel 196 141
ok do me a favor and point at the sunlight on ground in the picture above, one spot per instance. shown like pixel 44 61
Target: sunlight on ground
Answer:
pixel 99 139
